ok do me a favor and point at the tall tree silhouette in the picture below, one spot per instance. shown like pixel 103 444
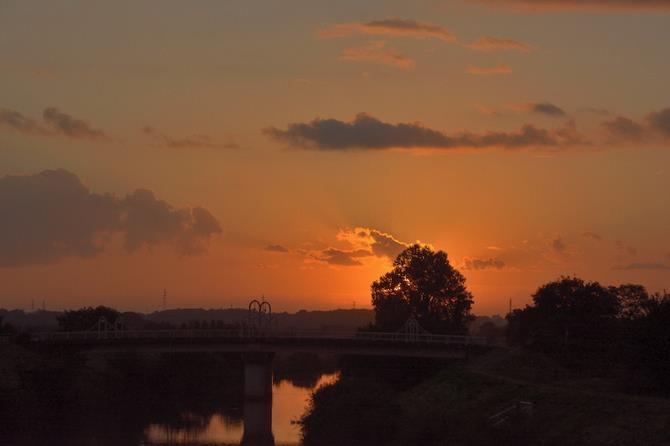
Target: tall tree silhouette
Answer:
pixel 423 285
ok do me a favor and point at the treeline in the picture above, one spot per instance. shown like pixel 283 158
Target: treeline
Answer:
pixel 591 326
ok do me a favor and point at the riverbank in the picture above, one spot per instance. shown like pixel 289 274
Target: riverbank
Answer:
pixel 454 406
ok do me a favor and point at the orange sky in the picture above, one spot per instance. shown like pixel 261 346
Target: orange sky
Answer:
pixel 292 148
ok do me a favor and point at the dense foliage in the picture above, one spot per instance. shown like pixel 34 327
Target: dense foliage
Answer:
pixel 86 318
pixel 425 286
pixel 617 326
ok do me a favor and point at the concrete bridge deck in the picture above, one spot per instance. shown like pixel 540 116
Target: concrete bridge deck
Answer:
pixel 276 341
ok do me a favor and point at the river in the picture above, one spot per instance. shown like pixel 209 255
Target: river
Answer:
pixel 289 403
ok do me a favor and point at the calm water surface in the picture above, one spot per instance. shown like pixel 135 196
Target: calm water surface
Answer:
pixel 289 403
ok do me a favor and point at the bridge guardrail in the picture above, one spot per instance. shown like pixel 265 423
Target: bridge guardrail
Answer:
pixel 247 334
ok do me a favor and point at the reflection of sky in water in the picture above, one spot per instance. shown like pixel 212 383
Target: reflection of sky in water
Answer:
pixel 288 404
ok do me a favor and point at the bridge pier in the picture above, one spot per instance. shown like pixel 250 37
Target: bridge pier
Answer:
pixel 258 399
pixel 258 375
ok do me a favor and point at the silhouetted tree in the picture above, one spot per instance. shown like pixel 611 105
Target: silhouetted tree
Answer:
pixel 86 318
pixel 566 308
pixel 6 329
pixel 424 285
pixel 634 301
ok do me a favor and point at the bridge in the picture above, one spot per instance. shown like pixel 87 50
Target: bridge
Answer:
pixel 258 342
pixel 258 347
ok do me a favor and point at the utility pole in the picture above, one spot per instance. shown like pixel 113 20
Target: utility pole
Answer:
pixel 164 299
pixel 509 313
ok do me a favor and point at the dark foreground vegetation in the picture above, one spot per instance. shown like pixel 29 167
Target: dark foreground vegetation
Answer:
pixel 387 403
pixel 592 361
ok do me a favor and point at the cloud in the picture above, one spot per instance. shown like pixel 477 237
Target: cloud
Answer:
pixel 376 242
pixel 489 43
pixel 584 5
pixel 541 108
pixel 592 235
pixel 276 248
pixel 624 129
pixel 378 53
pixel 654 127
pixel 482 264
pixel 362 243
pixel 393 27
pixel 558 245
pixel 54 123
pixel 549 109
pixel 660 122
pixel 649 266
pixel 489 71
pixel 369 133
pixel 340 257
pixel 52 215
pixel 197 141
pixel 13 120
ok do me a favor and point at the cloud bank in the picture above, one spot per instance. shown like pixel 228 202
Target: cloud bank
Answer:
pixel 52 215
pixel 366 132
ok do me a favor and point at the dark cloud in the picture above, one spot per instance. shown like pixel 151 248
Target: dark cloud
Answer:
pixel 52 215
pixel 379 243
pixel 276 248
pixel 660 122
pixel 624 128
pixel 66 125
pixel 546 108
pixel 13 120
pixel 592 235
pixel 654 127
pixel 481 264
pixel 197 141
pixel 649 266
pixel 54 123
pixel 341 257
pixel 558 245
pixel 394 27
pixel 585 5
pixel 368 132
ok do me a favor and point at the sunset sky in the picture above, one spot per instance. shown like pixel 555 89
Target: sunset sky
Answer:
pixel 227 149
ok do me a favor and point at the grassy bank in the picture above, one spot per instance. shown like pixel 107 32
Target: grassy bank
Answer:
pixel 453 407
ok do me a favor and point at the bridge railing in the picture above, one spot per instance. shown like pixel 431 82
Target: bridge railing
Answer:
pixel 247 334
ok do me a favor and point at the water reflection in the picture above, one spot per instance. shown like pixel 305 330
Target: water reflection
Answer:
pixel 288 404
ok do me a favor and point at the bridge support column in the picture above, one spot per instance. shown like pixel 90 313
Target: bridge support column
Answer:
pixel 258 399
pixel 258 375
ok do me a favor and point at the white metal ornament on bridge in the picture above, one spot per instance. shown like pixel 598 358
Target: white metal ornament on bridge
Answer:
pixel 412 330
pixel 260 314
